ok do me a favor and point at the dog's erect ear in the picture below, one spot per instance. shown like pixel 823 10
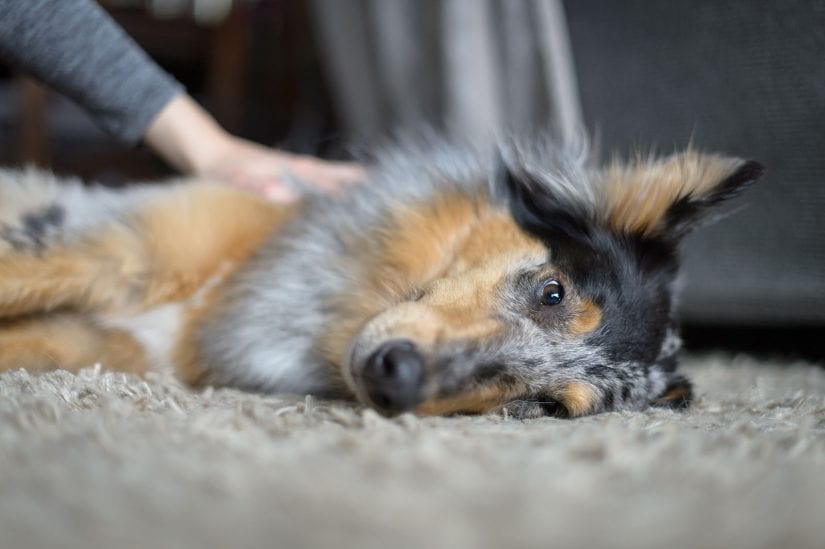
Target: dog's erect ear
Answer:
pixel 678 394
pixel 666 198
pixel 546 209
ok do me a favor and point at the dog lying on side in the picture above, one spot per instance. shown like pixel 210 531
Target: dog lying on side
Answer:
pixel 447 283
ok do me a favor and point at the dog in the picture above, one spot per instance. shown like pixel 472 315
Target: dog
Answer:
pixel 451 281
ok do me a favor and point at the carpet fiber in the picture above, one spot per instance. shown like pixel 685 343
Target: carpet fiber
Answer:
pixel 102 459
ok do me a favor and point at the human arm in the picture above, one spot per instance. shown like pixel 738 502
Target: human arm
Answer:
pixel 77 49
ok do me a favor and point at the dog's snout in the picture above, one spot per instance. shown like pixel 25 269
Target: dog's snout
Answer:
pixel 393 376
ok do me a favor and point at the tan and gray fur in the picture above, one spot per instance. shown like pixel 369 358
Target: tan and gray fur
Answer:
pixel 451 281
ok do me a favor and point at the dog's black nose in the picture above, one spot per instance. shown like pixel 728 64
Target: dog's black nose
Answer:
pixel 393 376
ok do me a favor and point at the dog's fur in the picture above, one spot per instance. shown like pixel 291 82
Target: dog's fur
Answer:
pixel 443 253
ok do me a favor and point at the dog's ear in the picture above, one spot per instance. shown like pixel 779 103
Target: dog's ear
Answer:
pixel 678 393
pixel 546 209
pixel 665 199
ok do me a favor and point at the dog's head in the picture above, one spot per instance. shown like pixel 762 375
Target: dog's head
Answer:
pixel 549 296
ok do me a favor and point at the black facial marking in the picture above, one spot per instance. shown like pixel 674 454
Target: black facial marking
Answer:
pixel 627 275
pixel 633 296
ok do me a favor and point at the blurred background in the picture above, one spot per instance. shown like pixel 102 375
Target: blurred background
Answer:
pixel 743 77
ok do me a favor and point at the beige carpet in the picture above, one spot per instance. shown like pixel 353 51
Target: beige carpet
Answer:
pixel 107 460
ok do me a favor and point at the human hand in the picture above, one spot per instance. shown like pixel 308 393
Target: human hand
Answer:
pixel 190 140
pixel 272 173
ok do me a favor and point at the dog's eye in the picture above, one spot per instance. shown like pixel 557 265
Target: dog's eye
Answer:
pixel 552 293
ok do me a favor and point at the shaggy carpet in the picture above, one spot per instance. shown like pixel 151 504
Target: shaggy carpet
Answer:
pixel 102 459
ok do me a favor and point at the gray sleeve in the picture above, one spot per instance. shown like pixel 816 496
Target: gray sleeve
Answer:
pixel 76 48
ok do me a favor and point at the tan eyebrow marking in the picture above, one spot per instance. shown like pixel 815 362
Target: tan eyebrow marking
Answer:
pixel 586 319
